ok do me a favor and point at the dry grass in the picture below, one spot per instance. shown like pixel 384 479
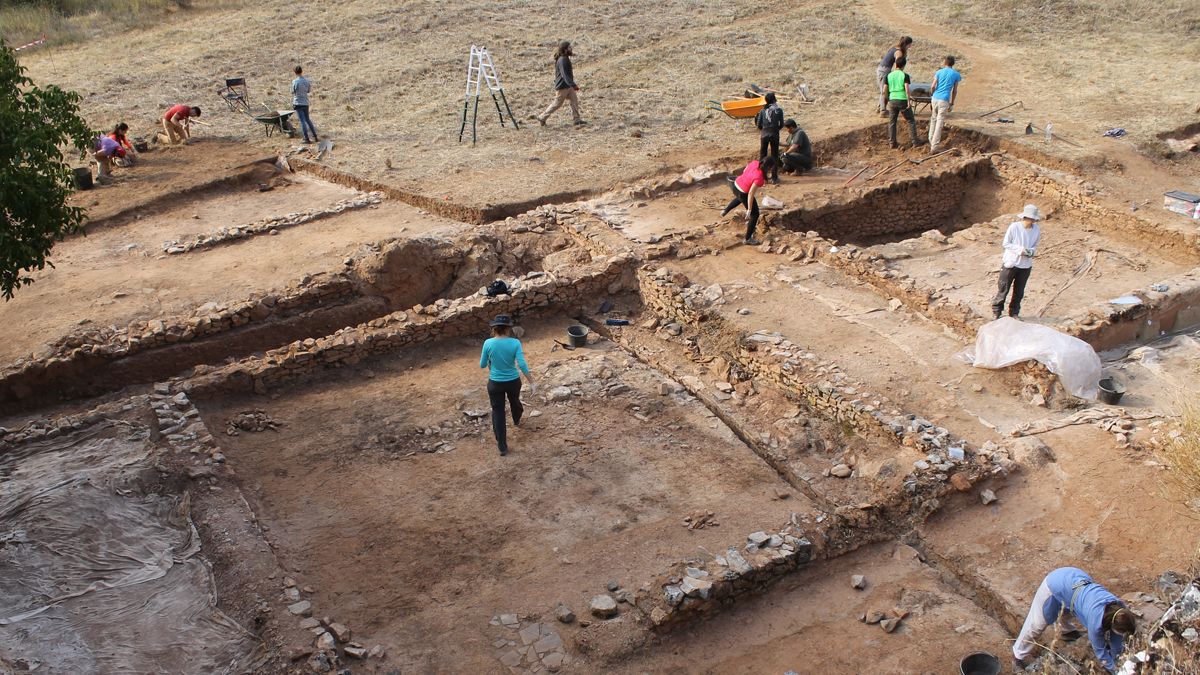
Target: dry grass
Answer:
pixel 1182 454
pixel 64 21
pixel 1101 20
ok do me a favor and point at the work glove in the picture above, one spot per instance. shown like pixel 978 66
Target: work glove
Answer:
pixel 1028 253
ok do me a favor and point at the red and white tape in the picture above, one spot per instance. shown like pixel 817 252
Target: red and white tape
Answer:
pixel 31 44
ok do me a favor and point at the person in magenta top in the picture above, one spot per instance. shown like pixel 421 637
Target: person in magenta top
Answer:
pixel 177 122
pixel 745 192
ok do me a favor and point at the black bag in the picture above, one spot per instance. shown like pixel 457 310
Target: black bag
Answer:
pixel 497 287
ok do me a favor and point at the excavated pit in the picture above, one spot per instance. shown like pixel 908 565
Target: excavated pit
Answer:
pixel 768 422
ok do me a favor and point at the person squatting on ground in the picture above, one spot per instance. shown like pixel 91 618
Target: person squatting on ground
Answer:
pixel 798 155
pixel 106 151
pixel 301 88
pixel 177 123
pixel 898 92
pixel 120 134
pixel 898 50
pixel 770 120
pixel 745 192
pixel 565 88
pixel 1020 246
pixel 502 356
pixel 1070 591
pixel 945 90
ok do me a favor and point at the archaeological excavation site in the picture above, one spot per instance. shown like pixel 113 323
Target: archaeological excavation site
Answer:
pixel 243 425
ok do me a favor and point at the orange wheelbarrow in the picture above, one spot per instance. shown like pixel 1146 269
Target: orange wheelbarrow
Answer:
pixel 739 108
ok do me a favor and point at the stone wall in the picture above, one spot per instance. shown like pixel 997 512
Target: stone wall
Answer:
pixel 901 207
pixel 271 224
pixel 532 294
pixel 776 361
pixel 1083 202
pixel 87 349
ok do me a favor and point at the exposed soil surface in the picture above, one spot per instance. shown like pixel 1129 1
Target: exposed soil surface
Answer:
pixel 369 485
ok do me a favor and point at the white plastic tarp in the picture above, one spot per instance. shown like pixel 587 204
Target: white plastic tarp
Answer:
pixel 1006 341
pixel 98 570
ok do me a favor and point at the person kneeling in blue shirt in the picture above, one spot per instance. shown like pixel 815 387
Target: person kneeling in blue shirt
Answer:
pixel 502 356
pixel 1069 590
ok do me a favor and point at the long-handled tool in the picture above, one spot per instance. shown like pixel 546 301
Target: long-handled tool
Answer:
pixel 883 171
pixel 851 180
pixel 926 159
pixel 1003 108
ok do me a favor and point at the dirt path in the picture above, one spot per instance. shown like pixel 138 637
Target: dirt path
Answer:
pixel 981 83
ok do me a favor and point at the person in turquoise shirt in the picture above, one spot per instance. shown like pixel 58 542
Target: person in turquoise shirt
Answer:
pixel 502 356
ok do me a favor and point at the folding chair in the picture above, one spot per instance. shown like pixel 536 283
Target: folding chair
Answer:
pixel 236 94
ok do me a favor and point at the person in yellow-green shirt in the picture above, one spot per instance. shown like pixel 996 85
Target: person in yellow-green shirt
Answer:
pixel 897 83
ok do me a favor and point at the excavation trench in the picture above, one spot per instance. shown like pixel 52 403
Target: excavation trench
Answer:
pixel 405 274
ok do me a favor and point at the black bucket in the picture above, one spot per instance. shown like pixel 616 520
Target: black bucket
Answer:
pixel 83 177
pixel 577 335
pixel 1111 391
pixel 979 663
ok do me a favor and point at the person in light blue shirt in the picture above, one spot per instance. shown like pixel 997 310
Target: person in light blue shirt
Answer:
pixel 301 88
pixel 1070 591
pixel 502 356
pixel 945 90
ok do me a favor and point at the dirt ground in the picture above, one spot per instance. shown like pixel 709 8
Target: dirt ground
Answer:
pixel 388 496
pixel 381 496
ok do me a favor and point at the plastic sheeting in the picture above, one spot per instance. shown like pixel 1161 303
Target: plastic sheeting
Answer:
pixel 98 573
pixel 1006 341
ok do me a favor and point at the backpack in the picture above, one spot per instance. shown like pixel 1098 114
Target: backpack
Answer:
pixel 770 117
pixel 497 287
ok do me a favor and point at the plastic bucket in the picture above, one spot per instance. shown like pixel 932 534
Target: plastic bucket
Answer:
pixel 1111 391
pixel 577 335
pixel 979 663
pixel 83 177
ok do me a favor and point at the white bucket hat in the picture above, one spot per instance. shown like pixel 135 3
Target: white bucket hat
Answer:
pixel 1031 212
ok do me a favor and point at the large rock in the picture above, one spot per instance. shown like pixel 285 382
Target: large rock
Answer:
pixel 302 608
pixel 564 613
pixel 603 606
pixel 559 394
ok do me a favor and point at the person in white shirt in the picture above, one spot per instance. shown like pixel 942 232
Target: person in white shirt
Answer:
pixel 1020 246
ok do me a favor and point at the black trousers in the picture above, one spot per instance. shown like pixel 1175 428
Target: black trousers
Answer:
pixel 497 391
pixel 771 143
pixel 895 109
pixel 743 199
pixel 794 161
pixel 1014 277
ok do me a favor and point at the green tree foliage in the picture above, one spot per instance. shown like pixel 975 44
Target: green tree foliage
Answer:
pixel 37 126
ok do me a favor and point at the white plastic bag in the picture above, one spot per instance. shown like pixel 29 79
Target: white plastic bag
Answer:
pixel 1006 341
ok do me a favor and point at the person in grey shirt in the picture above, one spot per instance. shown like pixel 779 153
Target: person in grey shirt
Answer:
pixel 565 89
pixel 301 88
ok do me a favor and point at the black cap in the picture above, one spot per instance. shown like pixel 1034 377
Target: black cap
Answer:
pixel 501 320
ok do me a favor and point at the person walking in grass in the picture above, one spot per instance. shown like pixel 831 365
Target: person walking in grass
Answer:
pixel 745 192
pixel 565 88
pixel 505 360
pixel 898 50
pixel 301 88
pixel 898 92
pixel 1020 246
pixel 1070 592
pixel 798 155
pixel 945 90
